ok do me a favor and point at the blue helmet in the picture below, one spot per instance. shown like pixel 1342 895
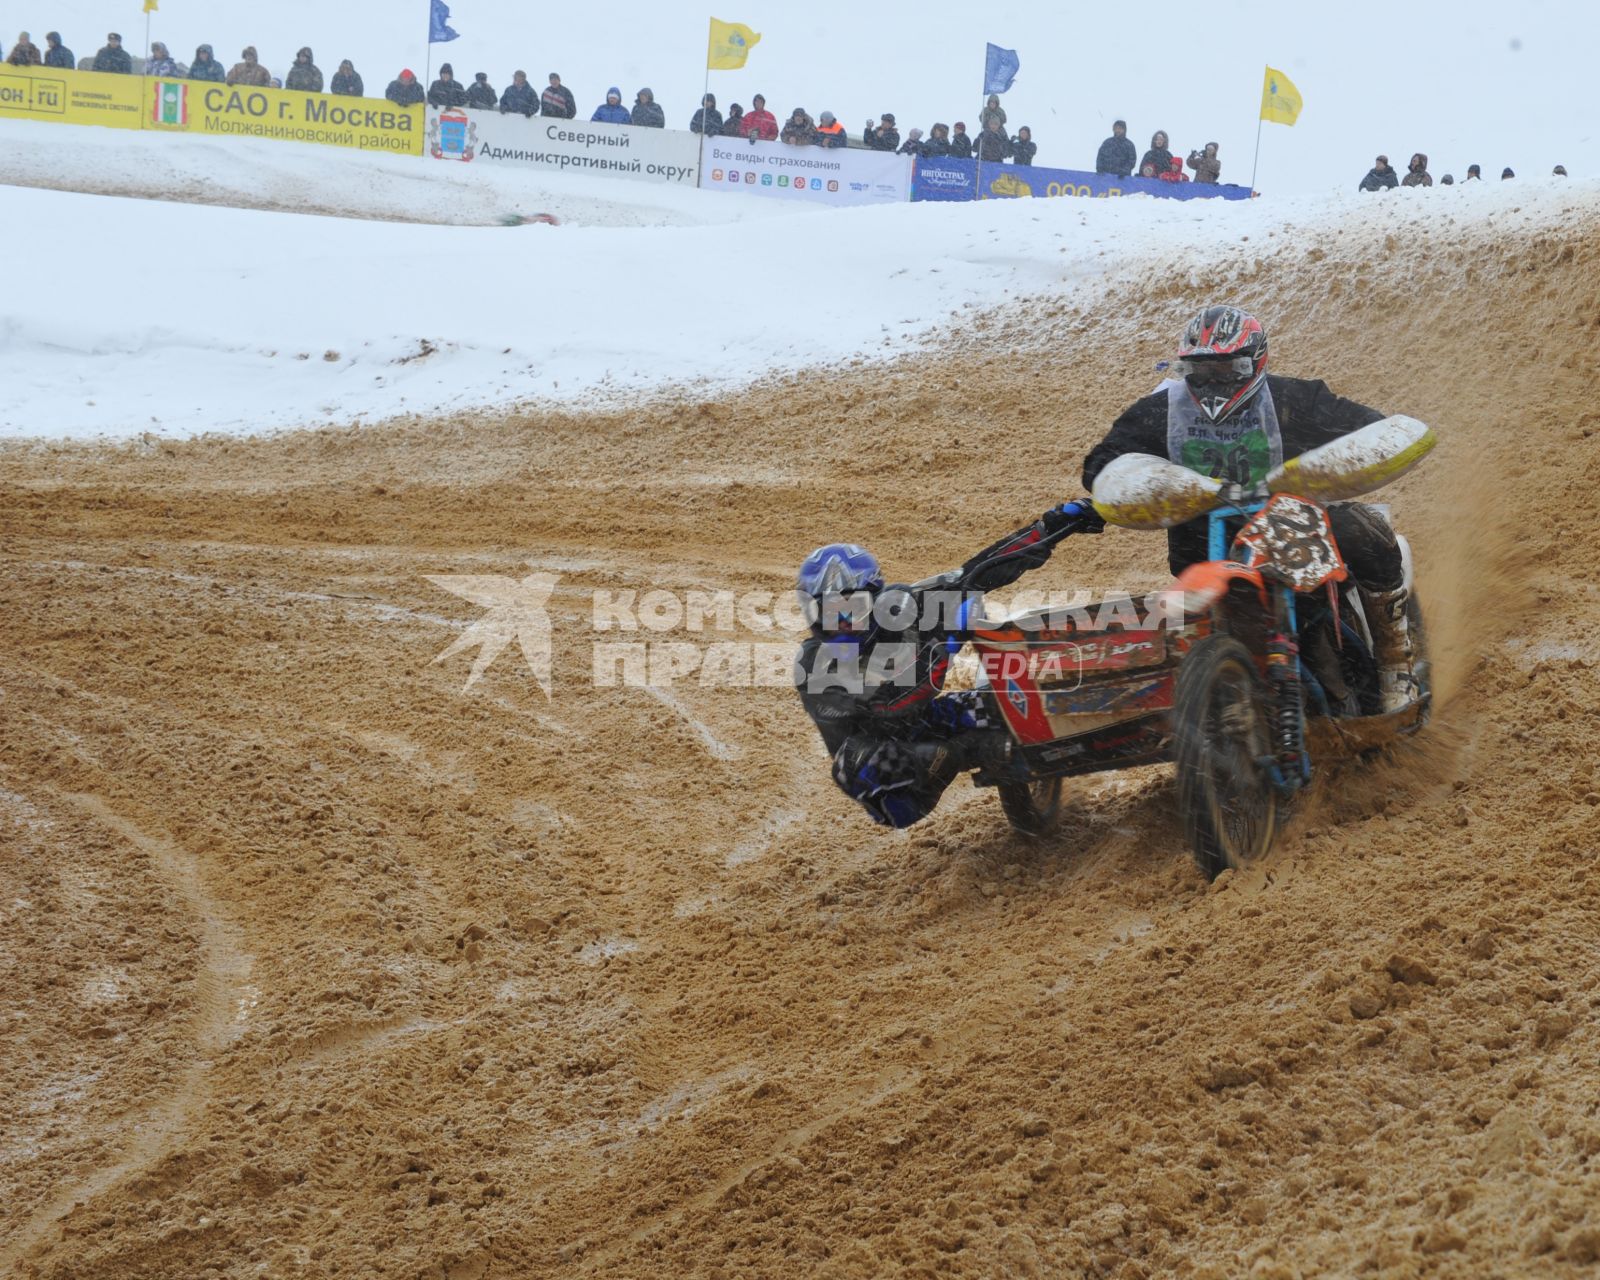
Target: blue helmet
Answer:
pixel 829 576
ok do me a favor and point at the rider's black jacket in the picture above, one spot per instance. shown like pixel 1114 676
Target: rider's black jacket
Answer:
pixel 898 708
pixel 1308 415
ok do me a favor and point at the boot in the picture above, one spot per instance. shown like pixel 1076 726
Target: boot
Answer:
pixel 1391 647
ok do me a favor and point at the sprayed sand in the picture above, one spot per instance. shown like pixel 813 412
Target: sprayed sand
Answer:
pixel 313 965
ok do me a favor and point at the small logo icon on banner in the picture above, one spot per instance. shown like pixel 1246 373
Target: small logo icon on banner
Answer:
pixel 171 104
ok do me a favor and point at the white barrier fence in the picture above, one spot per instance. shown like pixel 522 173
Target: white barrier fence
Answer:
pixel 572 146
pixel 837 176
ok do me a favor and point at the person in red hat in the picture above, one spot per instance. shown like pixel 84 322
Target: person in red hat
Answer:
pixel 405 91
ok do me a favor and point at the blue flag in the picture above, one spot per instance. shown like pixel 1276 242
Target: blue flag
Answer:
pixel 439 29
pixel 999 69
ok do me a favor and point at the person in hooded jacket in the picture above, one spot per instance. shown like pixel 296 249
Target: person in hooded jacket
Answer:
pixel 481 95
pixel 1117 155
pixel 249 72
pixel 347 81
pixel 1023 147
pixel 707 119
pixel 113 58
pixel 1417 174
pixel 519 97
pixel 992 111
pixel 405 90
pixel 24 53
pixel 1474 174
pixel 799 130
pixel 733 126
pixel 1381 177
pixel 447 91
pixel 937 143
pixel 1175 173
pixel 1506 173
pixel 885 137
pixel 557 100
pixel 1206 166
pixel 960 143
pixel 912 146
pixel 760 125
pixel 611 111
pixel 647 112
pixel 1159 155
pixel 829 132
pixel 162 63
pixel 305 76
pixel 57 54
pixel 206 67
pixel 993 145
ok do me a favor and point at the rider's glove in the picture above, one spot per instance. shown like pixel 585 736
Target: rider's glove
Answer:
pixel 1071 513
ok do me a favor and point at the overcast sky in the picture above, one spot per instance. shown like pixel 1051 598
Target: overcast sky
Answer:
pixel 1464 80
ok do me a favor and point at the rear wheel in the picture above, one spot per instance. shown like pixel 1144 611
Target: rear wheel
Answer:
pixel 1220 735
pixel 1033 808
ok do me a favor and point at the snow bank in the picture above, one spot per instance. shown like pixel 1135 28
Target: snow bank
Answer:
pixel 179 319
pixel 250 173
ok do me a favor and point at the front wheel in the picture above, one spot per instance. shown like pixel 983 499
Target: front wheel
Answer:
pixel 1221 734
pixel 1033 808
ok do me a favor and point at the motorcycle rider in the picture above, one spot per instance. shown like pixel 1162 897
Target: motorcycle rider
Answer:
pixel 872 671
pixel 1220 413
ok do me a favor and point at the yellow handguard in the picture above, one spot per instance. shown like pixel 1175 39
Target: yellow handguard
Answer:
pixel 1354 464
pixel 1142 491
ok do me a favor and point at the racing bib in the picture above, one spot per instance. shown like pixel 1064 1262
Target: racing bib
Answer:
pixel 1239 450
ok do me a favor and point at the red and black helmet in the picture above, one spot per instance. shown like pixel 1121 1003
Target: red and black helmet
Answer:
pixel 1222 356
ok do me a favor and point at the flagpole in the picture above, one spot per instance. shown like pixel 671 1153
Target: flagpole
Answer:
pixel 977 147
pixel 427 74
pixel 704 121
pixel 1257 161
pixel 147 39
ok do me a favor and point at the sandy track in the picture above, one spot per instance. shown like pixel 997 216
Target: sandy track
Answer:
pixel 615 985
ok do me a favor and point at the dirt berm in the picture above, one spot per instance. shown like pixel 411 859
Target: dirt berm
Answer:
pixel 312 964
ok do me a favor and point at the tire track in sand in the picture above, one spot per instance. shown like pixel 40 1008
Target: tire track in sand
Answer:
pixel 222 1001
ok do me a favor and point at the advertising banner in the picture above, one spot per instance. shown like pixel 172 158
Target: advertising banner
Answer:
pixel 71 97
pixel 573 146
pixel 947 179
pixel 831 175
pixel 364 124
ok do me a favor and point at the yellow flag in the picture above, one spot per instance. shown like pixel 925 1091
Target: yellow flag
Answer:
pixel 150 6
pixel 730 45
pixel 1280 100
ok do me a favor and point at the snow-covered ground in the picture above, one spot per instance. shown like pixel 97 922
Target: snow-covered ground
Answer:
pixel 175 318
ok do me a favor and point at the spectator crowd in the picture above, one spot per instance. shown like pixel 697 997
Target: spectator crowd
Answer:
pixel 992 143
pixel 1382 177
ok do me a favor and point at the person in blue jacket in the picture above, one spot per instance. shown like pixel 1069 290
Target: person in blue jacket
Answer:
pixel 519 97
pixel 611 111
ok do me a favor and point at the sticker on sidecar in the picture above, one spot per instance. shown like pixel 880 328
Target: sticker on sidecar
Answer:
pixel 1100 699
pixel 1115 651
